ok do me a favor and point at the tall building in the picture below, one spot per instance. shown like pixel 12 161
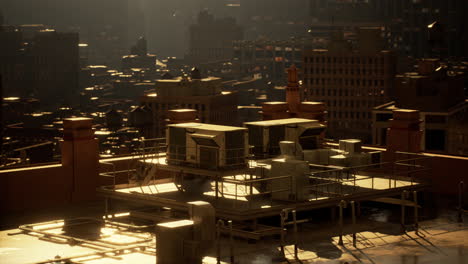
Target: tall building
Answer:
pixel 436 91
pixel 211 39
pixel 139 57
pixel 351 81
pixel 275 19
pixel 103 24
pixel 168 23
pixel 40 62
pixel 202 94
pixel 410 31
pixel 332 11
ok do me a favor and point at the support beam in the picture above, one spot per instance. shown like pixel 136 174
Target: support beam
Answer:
pixel 341 206
pixel 295 234
pixel 461 186
pixel 353 214
pixel 416 224
pixel 231 242
pixel 403 197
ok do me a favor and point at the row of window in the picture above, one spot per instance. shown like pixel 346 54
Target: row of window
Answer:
pixel 351 71
pixel 198 107
pixel 345 60
pixel 350 103
pixel 357 82
pixel 350 124
pixel 345 92
pixel 351 115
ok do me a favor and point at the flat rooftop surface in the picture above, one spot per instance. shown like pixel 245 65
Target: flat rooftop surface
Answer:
pixel 278 122
pixel 235 199
pixel 439 240
pixel 207 127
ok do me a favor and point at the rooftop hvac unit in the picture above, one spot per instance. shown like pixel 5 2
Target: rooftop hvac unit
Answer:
pixel 206 146
pixel 265 136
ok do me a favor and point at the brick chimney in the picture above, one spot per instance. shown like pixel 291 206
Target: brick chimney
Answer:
pixel 178 116
pixel 292 91
pixel 313 110
pixel 274 110
pixel 404 133
pixel 80 158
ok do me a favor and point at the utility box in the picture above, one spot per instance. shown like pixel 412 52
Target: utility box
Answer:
pixel 265 136
pixel 350 145
pixel 207 146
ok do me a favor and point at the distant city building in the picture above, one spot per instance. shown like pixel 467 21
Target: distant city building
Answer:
pixel 350 81
pixel 168 23
pixel 139 57
pixel 40 62
pixel 413 25
pixel 211 39
pixel 202 94
pixel 269 58
pixel 275 19
pixel 337 11
pixel 436 91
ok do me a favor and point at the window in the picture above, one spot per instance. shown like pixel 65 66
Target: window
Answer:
pixel 383 117
pixel 435 119
pixel 435 139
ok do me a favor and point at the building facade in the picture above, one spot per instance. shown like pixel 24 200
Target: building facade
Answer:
pixel 410 31
pixel 40 62
pixel 269 58
pixel 437 93
pixel 213 106
pixel 211 39
pixel 351 82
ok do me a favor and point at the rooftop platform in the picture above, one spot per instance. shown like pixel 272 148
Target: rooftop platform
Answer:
pixel 243 194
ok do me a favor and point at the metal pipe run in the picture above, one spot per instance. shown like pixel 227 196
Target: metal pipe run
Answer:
pixel 100 253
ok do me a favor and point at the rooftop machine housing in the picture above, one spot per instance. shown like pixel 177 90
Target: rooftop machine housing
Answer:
pixel 207 146
pixel 265 136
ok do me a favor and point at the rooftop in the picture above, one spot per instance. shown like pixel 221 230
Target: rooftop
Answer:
pixel 208 127
pixel 279 122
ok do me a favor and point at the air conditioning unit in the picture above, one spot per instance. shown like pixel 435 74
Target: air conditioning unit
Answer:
pixel 265 136
pixel 206 146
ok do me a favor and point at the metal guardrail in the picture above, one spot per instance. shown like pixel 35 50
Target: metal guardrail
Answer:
pixel 338 182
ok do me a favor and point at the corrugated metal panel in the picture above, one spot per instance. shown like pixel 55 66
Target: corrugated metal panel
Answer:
pixel 208 157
